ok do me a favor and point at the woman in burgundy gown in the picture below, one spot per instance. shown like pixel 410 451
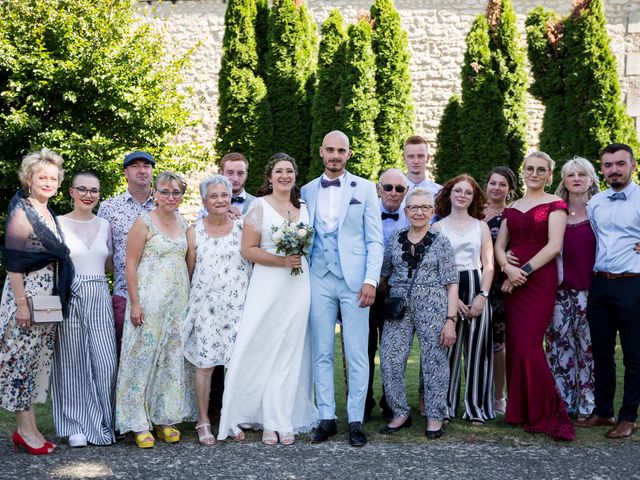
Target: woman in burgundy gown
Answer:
pixel 533 228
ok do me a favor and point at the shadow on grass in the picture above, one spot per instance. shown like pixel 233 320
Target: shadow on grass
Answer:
pixel 458 431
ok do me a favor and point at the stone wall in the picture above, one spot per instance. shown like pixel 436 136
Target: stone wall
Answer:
pixel 437 31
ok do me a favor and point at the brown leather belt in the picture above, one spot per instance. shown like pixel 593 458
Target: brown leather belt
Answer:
pixel 611 276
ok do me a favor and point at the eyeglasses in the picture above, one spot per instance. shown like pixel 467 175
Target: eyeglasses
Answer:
pixel 466 193
pixel 84 191
pixel 169 193
pixel 423 208
pixel 388 188
pixel 529 169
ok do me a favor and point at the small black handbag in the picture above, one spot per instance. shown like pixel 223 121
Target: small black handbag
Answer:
pixel 396 307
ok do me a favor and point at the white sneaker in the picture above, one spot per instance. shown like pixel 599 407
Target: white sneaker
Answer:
pixel 77 440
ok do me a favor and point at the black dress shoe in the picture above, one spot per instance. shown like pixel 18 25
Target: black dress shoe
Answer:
pixel 357 437
pixel 387 430
pixel 324 430
pixel 433 434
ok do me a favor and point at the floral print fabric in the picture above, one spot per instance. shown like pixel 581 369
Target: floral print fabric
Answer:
pixel 216 300
pixel 154 385
pixel 569 351
pixel 25 355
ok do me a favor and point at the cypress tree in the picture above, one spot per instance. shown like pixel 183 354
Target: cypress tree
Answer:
pixel 483 125
pixel 509 65
pixel 447 159
pixel 244 123
pixel 593 101
pixel 291 68
pixel 547 57
pixel 262 29
pixel 575 77
pixel 393 83
pixel 360 106
pixel 326 101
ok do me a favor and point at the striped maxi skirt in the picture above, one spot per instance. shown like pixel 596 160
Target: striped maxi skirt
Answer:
pixel 474 337
pixel 83 379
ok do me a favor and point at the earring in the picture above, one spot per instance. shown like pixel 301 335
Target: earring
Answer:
pixel 29 191
pixel 270 186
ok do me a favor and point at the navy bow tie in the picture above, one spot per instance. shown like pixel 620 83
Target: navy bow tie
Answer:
pixel 617 196
pixel 329 183
pixel 392 216
pixel 237 199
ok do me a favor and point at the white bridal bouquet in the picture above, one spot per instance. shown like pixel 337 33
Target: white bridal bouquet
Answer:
pixel 292 238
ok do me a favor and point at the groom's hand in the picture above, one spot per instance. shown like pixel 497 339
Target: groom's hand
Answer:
pixel 367 295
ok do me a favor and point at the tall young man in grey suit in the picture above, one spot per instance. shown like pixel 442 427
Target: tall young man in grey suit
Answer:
pixel 345 264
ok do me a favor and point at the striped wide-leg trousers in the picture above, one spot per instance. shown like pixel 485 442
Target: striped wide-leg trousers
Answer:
pixel 84 364
pixel 475 338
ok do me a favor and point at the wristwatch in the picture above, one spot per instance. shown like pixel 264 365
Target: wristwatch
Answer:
pixel 484 293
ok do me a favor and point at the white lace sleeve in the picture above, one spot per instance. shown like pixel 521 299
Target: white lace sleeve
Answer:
pixel 253 217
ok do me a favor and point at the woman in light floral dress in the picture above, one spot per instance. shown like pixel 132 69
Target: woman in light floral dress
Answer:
pixel 219 281
pixel 152 379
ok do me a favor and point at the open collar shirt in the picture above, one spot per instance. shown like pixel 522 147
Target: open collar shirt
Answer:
pixel 616 224
pixel 121 212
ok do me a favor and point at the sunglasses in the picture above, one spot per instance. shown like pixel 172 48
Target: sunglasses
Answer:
pixel 388 188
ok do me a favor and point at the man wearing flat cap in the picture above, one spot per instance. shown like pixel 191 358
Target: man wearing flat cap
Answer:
pixel 121 212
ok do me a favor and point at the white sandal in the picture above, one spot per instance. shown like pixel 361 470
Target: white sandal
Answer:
pixel 207 438
pixel 287 438
pixel 269 437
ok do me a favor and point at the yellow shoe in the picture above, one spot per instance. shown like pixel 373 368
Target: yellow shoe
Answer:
pixel 144 440
pixel 167 433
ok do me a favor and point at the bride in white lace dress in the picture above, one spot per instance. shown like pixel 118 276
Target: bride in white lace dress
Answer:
pixel 269 381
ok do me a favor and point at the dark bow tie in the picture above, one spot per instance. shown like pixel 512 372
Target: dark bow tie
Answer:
pixel 237 199
pixel 329 183
pixel 617 196
pixel 392 216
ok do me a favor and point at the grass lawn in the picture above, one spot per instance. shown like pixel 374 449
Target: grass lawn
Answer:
pixel 458 431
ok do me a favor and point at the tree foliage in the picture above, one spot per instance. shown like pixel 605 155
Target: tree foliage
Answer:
pixel 483 125
pixel 393 83
pixel 291 69
pixel 244 123
pixel 360 106
pixel 509 65
pixel 447 158
pixel 327 99
pixel 90 81
pixel 575 77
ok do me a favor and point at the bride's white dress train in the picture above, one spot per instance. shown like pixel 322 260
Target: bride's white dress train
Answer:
pixel 269 382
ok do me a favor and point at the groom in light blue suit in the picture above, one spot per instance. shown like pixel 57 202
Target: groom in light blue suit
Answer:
pixel 345 263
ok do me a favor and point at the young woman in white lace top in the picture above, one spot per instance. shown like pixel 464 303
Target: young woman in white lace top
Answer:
pixel 84 362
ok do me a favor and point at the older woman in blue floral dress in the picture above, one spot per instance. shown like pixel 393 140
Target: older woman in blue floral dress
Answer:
pixel 219 280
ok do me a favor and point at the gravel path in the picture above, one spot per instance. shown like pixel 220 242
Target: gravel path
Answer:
pixel 332 460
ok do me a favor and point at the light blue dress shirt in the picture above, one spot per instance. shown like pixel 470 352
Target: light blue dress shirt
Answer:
pixel 389 225
pixel 616 225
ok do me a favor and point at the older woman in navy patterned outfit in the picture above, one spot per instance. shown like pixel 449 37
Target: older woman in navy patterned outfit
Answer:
pixel 431 313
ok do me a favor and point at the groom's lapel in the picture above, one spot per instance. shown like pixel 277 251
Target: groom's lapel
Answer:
pixel 313 196
pixel 347 195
